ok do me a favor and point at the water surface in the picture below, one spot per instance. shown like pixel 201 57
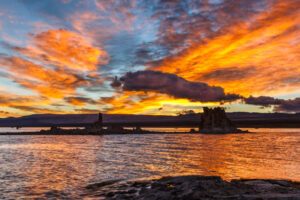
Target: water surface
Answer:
pixel 39 166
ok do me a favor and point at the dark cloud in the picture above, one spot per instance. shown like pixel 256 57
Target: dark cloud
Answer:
pixel 291 105
pixel 178 87
pixel 280 105
pixel 263 101
pixel 143 53
pixel 174 86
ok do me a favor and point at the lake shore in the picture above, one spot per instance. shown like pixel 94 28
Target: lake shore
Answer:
pixel 122 132
pixel 194 187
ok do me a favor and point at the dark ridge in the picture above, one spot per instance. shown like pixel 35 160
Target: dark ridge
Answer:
pixel 240 119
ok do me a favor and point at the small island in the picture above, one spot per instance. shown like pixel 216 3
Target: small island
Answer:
pixel 215 121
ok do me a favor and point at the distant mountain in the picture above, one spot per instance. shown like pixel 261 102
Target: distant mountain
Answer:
pixel 236 116
pixel 58 119
pixel 242 118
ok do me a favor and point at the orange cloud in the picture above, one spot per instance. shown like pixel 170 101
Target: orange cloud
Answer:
pixel 46 82
pixel 18 105
pixel 263 53
pixel 81 101
pixel 11 100
pixel 55 64
pixel 66 49
pixel 76 102
pixel 66 62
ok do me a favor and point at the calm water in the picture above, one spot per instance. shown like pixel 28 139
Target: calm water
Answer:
pixel 39 166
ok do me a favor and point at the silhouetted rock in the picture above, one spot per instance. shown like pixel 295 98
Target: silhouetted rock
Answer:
pixel 214 120
pixel 194 187
pixel 96 126
pixel 54 129
pixel 192 130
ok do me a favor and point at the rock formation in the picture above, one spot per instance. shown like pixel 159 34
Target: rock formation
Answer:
pixel 214 120
pixel 96 126
pixel 194 188
pixel 99 123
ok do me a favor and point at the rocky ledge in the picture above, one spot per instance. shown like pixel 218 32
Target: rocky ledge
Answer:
pixel 194 187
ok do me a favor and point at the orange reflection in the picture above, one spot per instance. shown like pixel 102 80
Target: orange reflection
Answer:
pixel 54 164
pixel 256 156
pixel 41 165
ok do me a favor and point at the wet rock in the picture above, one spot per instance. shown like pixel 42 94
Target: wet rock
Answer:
pixel 198 187
pixel 101 184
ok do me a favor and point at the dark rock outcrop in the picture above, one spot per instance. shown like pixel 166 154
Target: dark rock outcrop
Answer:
pixel 96 126
pixel 214 120
pixel 194 187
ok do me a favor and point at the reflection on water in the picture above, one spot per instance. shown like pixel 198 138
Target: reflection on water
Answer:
pixel 22 129
pixel 37 166
pixel 31 166
pixel 29 129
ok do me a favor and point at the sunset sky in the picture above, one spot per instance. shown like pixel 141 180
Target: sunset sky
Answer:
pixel 148 56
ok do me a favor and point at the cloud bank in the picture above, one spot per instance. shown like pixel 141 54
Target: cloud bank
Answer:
pixel 175 86
pixel 280 105
pixel 178 87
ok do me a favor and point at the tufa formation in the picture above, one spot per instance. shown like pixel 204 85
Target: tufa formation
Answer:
pixel 214 120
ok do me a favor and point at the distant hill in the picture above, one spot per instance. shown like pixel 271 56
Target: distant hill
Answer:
pixel 242 119
pixel 77 119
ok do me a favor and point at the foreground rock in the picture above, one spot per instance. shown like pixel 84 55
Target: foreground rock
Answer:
pixel 194 187
pixel 214 120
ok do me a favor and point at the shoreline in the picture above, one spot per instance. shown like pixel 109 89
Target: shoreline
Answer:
pixel 121 132
pixel 37 133
pixel 128 131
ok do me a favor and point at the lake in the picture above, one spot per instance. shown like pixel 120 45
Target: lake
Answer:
pixel 61 166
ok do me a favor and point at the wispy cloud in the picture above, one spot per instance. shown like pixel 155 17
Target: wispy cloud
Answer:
pixel 55 83
pixel 65 49
pixel 186 53
pixel 244 35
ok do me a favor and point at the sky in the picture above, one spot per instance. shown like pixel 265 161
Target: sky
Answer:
pixel 148 56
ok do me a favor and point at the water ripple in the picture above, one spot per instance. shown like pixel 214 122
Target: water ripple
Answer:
pixel 60 166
